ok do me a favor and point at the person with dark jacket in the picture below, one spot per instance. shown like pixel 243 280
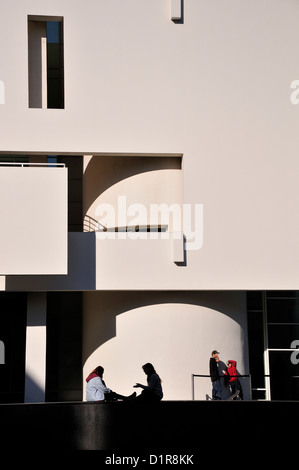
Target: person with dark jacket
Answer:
pixel 215 377
pixel 152 392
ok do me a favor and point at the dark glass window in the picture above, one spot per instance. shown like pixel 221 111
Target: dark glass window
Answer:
pixel 280 310
pixel 55 67
pixel 255 300
pixel 281 336
pixel 283 310
pixel 284 376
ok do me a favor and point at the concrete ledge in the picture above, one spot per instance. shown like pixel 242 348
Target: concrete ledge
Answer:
pixel 191 426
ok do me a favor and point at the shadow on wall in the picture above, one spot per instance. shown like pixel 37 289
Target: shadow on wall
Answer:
pixel 182 19
pixel 33 392
pixel 81 269
pixel 108 305
pixel 113 168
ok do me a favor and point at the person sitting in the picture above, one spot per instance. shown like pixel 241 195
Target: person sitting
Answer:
pixel 96 389
pixel 153 390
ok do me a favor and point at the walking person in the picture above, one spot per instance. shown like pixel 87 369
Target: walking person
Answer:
pixel 233 380
pixel 96 389
pixel 153 390
pixel 215 377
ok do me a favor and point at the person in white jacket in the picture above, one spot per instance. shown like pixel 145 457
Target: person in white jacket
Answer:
pixel 153 390
pixel 96 389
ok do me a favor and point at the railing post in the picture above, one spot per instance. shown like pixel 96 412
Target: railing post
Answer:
pixel 192 385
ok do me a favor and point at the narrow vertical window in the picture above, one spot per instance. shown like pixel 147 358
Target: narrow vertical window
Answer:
pixel 55 66
pixel 45 62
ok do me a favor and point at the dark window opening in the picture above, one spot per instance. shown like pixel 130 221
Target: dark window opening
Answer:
pixel 45 62
pixel 55 65
pixel 13 311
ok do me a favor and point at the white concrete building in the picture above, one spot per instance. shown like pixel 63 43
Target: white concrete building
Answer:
pixel 149 194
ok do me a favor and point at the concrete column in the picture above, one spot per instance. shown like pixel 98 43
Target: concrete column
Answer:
pixel 35 369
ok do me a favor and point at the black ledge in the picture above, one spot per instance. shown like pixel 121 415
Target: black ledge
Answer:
pixel 180 426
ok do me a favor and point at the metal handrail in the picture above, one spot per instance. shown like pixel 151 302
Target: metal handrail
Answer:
pixel 92 225
pixel 281 375
pixel 203 375
pixel 23 164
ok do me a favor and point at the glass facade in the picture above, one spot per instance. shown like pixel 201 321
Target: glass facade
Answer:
pixel 273 323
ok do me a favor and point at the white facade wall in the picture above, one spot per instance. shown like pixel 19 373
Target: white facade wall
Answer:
pixel 33 208
pixel 215 89
pixel 212 89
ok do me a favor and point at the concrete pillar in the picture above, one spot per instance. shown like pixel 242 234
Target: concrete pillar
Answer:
pixel 35 368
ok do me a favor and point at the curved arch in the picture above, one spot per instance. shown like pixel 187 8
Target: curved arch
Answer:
pixel 176 331
pixel 109 305
pixel 103 172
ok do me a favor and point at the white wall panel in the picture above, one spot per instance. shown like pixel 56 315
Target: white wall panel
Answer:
pixel 33 215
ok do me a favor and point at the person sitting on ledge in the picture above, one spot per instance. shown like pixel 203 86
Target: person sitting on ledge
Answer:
pixel 153 390
pixel 96 389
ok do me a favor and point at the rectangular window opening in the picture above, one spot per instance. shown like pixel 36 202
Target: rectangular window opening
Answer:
pixel 45 62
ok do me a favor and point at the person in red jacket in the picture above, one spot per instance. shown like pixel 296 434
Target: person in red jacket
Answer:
pixel 232 377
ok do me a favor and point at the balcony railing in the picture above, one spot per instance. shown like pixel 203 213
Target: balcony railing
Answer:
pixel 92 225
pixel 29 164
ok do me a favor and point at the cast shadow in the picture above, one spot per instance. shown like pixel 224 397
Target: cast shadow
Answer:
pixel 112 304
pixel 184 262
pixel 181 21
pixel 102 172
